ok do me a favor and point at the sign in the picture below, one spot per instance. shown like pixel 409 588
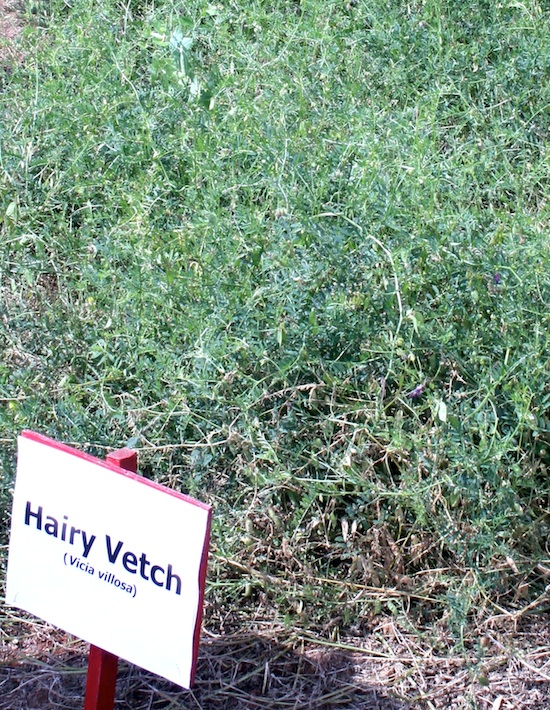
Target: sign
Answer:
pixel 108 556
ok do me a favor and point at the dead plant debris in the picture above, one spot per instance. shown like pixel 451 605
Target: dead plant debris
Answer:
pixel 271 667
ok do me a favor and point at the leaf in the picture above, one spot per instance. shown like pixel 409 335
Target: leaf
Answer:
pixel 280 333
pixel 454 421
pixel 11 212
pixel 194 89
pixel 181 48
pixel 415 319
pixel 179 43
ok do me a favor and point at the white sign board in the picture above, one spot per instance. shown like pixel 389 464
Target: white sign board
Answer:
pixel 108 556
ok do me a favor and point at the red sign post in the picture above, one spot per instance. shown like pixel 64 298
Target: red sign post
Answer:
pixel 102 665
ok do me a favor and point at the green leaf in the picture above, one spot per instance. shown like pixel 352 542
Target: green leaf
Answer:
pixel 11 212
pixel 181 49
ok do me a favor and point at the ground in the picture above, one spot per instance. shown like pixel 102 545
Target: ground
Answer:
pixel 10 27
pixel 270 667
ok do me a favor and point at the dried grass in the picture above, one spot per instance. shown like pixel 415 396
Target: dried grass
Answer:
pixel 270 667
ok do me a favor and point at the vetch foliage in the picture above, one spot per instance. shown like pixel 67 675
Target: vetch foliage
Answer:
pixel 297 254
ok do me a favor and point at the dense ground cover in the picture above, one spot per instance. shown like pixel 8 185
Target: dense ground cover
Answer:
pixel 297 254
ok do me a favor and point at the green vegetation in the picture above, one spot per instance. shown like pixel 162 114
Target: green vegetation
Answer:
pixel 295 252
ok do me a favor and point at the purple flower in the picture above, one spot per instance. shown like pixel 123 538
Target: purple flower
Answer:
pixel 497 278
pixel 417 391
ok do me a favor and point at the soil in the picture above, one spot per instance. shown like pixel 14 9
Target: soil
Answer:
pixel 11 25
